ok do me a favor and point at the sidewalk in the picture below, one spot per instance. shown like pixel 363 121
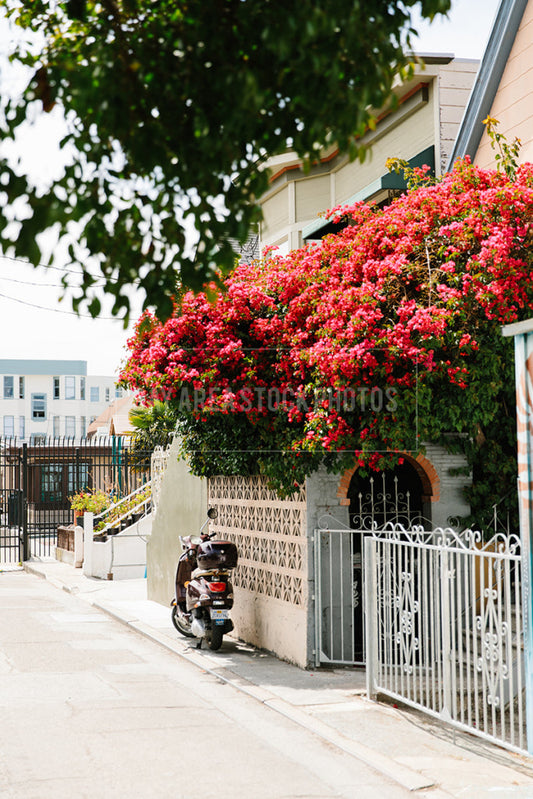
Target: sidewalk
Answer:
pixel 419 753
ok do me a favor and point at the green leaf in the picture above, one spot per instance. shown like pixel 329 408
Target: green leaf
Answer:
pixel 167 100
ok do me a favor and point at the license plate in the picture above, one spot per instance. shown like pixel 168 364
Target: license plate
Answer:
pixel 219 614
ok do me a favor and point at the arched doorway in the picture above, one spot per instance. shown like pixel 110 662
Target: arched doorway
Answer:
pixel 396 496
pixel 380 499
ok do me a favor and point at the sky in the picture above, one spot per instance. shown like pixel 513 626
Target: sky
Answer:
pixel 35 323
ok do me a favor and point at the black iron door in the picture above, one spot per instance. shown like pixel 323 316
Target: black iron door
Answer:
pixel 12 503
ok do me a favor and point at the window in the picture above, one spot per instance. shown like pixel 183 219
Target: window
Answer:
pixel 38 407
pixel 9 426
pixel 57 391
pixel 70 387
pixel 83 426
pixel 95 394
pixel 22 426
pixel 107 394
pixel 118 393
pixel 21 388
pixel 70 426
pixel 8 387
pixel 51 482
pixel 82 388
pixel 78 477
pixel 38 438
pixel 57 426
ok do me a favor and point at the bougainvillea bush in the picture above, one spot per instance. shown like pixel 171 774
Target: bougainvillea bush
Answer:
pixel 376 340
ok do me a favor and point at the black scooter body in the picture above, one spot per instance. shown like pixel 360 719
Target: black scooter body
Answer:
pixel 204 592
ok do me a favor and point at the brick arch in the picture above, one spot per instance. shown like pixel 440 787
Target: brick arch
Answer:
pixel 423 467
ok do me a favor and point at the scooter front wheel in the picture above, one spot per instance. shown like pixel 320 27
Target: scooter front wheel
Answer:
pixel 180 623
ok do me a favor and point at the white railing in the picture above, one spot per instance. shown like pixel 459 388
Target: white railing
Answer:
pixel 122 529
pixel 340 594
pixel 444 630
pixel 135 504
pixel 159 464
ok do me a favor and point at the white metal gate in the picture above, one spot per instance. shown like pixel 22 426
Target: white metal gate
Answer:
pixel 444 628
pixel 339 597
pixel 339 568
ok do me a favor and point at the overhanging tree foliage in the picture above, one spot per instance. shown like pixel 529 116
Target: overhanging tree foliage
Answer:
pixel 171 109
pixel 383 337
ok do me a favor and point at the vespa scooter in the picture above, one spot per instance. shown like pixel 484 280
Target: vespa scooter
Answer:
pixel 204 593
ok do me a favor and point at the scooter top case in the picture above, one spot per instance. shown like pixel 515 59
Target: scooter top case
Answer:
pixel 216 555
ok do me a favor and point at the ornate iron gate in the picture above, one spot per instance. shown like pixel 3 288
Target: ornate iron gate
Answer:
pixel 339 567
pixel 444 628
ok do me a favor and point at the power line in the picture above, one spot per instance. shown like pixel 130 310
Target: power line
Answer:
pixel 48 266
pixel 44 285
pixel 65 269
pixel 59 310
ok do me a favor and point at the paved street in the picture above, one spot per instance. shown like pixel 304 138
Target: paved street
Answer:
pixel 92 709
pixel 96 687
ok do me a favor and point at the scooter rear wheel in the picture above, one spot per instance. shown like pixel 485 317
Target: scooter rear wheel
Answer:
pixel 214 636
pixel 181 625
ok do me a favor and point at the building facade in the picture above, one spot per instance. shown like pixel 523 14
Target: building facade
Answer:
pixel 420 129
pixel 42 399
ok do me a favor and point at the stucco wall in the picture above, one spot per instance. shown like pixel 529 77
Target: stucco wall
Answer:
pixel 445 491
pixel 323 510
pixel 122 556
pixel 451 502
pixel 272 625
pixel 181 510
pixel 274 582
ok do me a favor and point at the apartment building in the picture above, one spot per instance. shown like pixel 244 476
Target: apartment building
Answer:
pixel 40 399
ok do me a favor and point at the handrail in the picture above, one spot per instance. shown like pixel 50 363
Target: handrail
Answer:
pixel 123 499
pixel 130 510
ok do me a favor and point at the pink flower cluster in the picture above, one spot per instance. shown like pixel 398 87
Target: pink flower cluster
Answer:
pixel 401 294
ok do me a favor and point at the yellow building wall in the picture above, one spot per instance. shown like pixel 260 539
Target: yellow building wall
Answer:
pixel 513 104
pixel 275 212
pixel 296 199
pixel 404 141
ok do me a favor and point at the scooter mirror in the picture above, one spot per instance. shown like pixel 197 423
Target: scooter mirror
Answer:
pixel 212 513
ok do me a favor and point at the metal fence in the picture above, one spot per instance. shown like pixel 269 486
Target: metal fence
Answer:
pixel 36 481
pixel 339 597
pixel 444 629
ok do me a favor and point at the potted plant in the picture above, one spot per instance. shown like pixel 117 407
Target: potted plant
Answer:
pixel 87 500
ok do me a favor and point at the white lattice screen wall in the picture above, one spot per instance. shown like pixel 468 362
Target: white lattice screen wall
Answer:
pixel 269 533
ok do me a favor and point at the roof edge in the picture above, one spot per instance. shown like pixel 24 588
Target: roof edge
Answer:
pixel 499 46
